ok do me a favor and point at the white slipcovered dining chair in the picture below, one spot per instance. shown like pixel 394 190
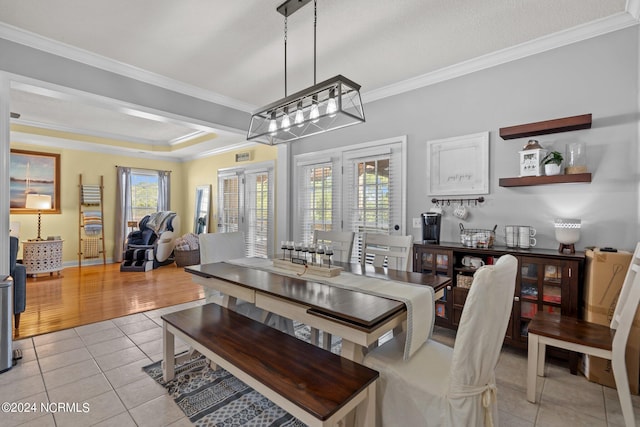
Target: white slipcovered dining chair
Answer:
pixel 395 250
pixel 607 342
pixel 441 386
pixel 219 247
pixel 342 244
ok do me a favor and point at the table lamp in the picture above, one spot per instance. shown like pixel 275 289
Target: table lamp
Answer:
pixel 567 233
pixel 39 202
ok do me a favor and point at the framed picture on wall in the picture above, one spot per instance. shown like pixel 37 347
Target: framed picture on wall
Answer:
pixel 459 165
pixel 32 172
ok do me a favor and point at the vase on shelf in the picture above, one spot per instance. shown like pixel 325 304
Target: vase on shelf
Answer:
pixel 552 169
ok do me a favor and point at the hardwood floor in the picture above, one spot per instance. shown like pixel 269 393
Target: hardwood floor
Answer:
pixel 89 294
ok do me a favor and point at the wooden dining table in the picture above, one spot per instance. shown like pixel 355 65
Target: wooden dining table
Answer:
pixel 358 317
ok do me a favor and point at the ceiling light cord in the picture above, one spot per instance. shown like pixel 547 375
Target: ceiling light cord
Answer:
pixel 285 56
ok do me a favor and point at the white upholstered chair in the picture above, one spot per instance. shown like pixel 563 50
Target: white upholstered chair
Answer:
pixel 607 342
pixel 342 244
pixel 395 250
pixel 218 247
pixel 441 386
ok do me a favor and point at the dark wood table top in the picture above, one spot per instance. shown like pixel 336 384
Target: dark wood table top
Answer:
pixel 346 305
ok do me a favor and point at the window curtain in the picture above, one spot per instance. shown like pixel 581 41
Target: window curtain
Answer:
pixel 164 191
pixel 123 206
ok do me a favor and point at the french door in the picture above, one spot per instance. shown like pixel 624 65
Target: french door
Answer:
pixel 245 203
pixel 360 189
pixel 373 192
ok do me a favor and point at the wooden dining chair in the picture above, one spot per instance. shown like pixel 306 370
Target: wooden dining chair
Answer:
pixel 340 241
pixel 441 386
pixel 342 244
pixel 385 250
pixel 607 342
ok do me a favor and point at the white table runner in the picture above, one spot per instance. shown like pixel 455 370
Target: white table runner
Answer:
pixel 418 299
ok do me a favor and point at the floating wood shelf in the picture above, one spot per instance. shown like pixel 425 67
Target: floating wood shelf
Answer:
pixel 546 127
pixel 524 181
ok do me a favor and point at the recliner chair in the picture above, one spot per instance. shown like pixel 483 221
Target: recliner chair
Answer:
pixel 19 274
pixel 152 244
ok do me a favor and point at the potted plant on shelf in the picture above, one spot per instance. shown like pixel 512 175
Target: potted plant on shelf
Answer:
pixel 552 162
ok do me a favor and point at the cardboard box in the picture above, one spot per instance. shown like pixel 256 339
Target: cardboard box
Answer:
pixel 604 274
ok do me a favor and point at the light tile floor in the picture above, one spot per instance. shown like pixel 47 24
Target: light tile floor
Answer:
pixel 100 366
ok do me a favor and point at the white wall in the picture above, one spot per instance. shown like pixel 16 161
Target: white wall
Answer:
pixel 598 76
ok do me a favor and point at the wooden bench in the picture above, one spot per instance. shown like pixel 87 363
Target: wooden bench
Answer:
pixel 314 385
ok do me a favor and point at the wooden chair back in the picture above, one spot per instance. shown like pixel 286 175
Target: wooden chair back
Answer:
pixel 384 250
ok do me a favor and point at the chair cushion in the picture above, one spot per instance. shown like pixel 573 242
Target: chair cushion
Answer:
pixel 415 390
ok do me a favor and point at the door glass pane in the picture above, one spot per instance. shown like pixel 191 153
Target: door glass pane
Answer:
pixel 230 210
pixel 258 214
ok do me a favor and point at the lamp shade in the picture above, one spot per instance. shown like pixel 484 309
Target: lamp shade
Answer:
pixel 38 201
pixel 567 233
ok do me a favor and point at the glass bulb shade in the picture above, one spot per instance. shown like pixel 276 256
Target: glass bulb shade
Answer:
pixel 332 107
pixel 38 201
pixel 299 119
pixel 286 121
pixel 273 125
pixel 314 114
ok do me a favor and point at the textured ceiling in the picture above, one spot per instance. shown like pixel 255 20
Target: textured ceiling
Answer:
pixel 236 48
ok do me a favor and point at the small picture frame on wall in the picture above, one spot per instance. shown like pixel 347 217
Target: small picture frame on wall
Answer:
pixel 459 165
pixel 33 172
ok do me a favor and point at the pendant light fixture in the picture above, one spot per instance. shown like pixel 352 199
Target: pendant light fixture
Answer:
pixel 328 105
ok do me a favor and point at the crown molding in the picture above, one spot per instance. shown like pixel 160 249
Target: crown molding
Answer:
pixel 27 38
pixel 225 149
pixel 70 144
pixel 572 35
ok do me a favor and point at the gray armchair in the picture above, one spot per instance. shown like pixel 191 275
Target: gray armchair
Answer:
pixel 19 274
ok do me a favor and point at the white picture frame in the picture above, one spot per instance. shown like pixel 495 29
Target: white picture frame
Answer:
pixel 458 165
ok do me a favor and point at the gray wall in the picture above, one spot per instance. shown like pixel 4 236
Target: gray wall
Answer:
pixel 598 76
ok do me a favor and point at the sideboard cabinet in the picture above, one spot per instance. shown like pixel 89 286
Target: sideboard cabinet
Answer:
pixel 547 281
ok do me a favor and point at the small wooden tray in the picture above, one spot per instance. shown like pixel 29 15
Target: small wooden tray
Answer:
pixel 314 270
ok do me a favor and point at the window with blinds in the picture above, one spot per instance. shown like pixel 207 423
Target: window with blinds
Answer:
pixel 258 189
pixel 316 202
pixel 373 193
pixel 245 203
pixel 228 203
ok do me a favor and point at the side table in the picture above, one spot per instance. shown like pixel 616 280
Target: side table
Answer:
pixel 42 256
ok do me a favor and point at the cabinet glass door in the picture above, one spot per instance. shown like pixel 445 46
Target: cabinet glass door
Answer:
pixel 540 289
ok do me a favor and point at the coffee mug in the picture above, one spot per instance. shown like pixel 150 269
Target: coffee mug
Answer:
pixel 525 238
pixel 511 235
pixel 461 212
pixel 470 261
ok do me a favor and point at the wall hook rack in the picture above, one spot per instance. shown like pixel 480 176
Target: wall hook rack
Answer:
pixel 441 202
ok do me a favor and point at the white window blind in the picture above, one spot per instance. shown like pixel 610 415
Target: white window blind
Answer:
pixel 229 196
pixel 259 224
pixel 372 185
pixel 316 201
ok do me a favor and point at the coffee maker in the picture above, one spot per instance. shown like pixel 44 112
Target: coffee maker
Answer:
pixel 431 227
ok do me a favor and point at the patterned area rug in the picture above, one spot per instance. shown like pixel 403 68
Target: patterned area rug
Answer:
pixel 217 398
